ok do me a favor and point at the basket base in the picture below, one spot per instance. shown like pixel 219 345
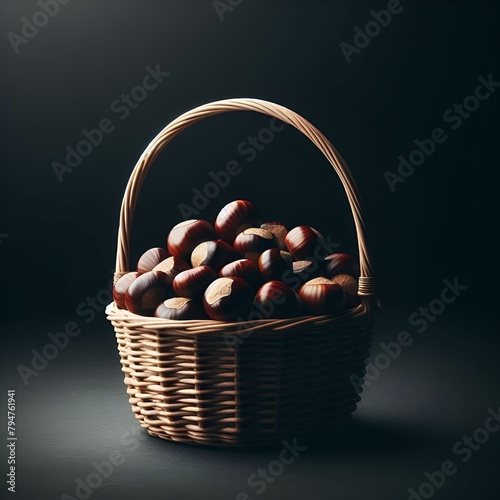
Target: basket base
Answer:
pixel 261 441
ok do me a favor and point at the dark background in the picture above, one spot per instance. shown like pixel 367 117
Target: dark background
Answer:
pixel 440 223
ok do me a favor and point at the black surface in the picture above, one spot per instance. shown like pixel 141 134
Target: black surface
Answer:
pixel 76 412
pixel 57 239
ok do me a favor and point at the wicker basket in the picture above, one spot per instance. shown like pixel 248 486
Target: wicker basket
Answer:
pixel 222 383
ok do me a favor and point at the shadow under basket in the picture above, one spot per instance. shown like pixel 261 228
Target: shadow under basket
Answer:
pixel 252 383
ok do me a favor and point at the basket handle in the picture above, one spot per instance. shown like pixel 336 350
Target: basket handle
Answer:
pixel 366 285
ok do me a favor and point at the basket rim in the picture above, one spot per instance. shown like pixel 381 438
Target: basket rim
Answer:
pixel 114 313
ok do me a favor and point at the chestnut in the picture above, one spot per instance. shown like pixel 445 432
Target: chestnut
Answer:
pixel 350 287
pixel 179 308
pixel 306 270
pixel 120 288
pixel 147 291
pixel 246 269
pixel 322 296
pixel 172 266
pixel 340 263
pixel 234 218
pixel 302 242
pixel 226 299
pixel 274 299
pixel 279 230
pixel 150 259
pixel 185 236
pixel 193 282
pixel 253 241
pixel 215 254
pixel 274 264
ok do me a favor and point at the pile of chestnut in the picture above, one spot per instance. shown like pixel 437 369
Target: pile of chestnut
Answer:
pixel 238 267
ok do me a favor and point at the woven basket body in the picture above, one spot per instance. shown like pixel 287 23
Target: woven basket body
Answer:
pixel 221 383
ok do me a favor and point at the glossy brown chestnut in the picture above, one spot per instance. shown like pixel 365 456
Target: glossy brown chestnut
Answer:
pixel 215 254
pixel 274 299
pixel 150 259
pixel 120 288
pixel 322 296
pixel 193 282
pixel 303 242
pixel 180 308
pixel 340 263
pixel 227 299
pixel 147 291
pixel 184 237
pixel 306 270
pixel 251 242
pixel 234 218
pixel 246 269
pixel 279 230
pixel 350 287
pixel 275 264
pixel 172 266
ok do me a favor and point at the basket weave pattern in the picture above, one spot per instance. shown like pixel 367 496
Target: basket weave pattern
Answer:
pixel 223 383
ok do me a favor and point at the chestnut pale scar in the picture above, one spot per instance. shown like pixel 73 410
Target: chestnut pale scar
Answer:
pixel 221 288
